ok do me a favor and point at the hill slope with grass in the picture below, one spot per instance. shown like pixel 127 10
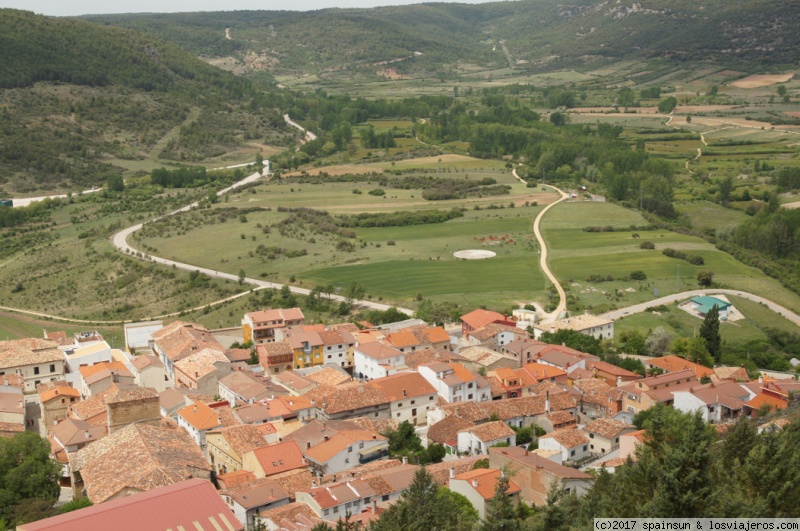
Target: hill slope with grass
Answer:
pixel 81 101
pixel 524 34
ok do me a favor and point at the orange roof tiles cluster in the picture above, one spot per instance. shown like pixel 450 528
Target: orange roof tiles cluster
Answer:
pixel 491 431
pixel 403 385
pixel 28 351
pixel 180 339
pixel 608 428
pixel 279 457
pixel 672 363
pixel 484 481
pixel 242 438
pixel 568 438
pixel 200 416
pixel 480 318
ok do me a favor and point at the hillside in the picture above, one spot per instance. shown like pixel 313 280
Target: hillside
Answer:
pixel 527 34
pixel 82 101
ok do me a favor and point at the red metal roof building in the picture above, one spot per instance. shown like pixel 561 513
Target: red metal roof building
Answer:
pixel 191 504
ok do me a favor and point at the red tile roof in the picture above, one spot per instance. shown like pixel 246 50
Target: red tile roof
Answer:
pixel 403 385
pixel 484 481
pixel 480 318
pixel 191 504
pixel 279 457
pixel 672 363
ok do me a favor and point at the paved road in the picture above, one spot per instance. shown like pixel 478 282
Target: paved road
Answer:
pixel 25 201
pixel 669 299
pixel 309 135
pixel 120 241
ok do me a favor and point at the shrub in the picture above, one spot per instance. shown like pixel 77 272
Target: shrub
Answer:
pixel 390 242
pixel 638 275
pixel 377 192
pixel 647 245
pixel 694 259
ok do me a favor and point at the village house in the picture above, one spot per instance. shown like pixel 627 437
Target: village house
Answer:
pixel 139 335
pixel 573 445
pixel 478 439
pixel 249 499
pixel 226 446
pixel 475 358
pixel 338 347
pixel 55 399
pixel 202 370
pixel 307 348
pixel 198 419
pixel 240 387
pixel 289 408
pixel 294 516
pixel 495 336
pixel 375 360
pixel 170 400
pixel 479 318
pixel 12 406
pixel 275 357
pixel 537 475
pixel 445 432
pixel 598 399
pixel 613 375
pixel 716 402
pixel 189 504
pixel 590 325
pixel 149 371
pixel 673 363
pixel 454 383
pixel 647 392
pixel 99 377
pixel 344 450
pixel 273 459
pixel 349 400
pixel 259 327
pixel 137 458
pixel 35 360
pixel 179 340
pixel 410 396
pixel 118 406
pixel 479 487
pixel 703 304
pixel 604 434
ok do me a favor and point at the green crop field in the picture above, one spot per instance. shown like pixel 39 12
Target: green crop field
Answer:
pixel 704 215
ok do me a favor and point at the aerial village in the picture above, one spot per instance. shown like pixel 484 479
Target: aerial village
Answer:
pixel 292 432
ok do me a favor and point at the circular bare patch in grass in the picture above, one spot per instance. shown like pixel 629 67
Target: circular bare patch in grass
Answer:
pixel 474 254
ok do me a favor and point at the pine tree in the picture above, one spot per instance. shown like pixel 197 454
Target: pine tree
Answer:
pixel 709 331
pixel 500 513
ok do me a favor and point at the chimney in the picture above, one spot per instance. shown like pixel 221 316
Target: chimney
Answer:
pixel 404 393
pixel 375 505
pixel 86 433
pixel 760 378
pixel 526 452
pixel 475 482
pixel 195 409
pixel 547 402
pixel 452 472
pixel 619 381
pixel 405 460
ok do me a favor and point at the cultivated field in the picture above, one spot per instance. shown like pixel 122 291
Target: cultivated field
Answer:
pixel 762 80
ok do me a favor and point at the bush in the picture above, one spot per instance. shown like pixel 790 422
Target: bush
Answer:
pixel 638 275
pixel 377 192
pixel 695 259
pixel 356 191
pixel 390 242
pixel 647 245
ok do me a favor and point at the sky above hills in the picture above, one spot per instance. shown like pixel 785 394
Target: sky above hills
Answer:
pixel 94 7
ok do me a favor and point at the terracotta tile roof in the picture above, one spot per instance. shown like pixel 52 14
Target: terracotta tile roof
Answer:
pixel 463 374
pixel 737 374
pixel 89 370
pixel 684 374
pixel 256 493
pixel 430 355
pixel 193 504
pixel 200 416
pixel 611 369
pixel 402 339
pixel 279 457
pixel 238 354
pixel 299 341
pixel 294 480
pixel 491 431
pixel 559 418
pixel 484 356
pixel 72 431
pixel 335 337
pixel 361 470
pixel 378 351
pixel 329 376
pixel 560 401
pixel 672 363
pixel 507 409
pixel 345 327
pixel 9 429
pixel 277 314
pixel 403 385
pixel 295 381
pixel 237 477
pixel 433 334
pixel 612 463
pixel 492 329
pixel 467 410
pixel 381 426
pixel 338 442
pixel 287 514
pixel 200 363
pixel 441 471
pixel 773 424
pixel 242 437
pixel 143 361
pixel 170 398
pixel 347 397
pixel 446 430
pixel 180 339
pixel 580 374
pixel 18 380
pixel 28 351
pixel 532 461
pixel 729 394
pixel 59 337
pixel 577 322
pixel 484 481
pixel 764 399
pixel 138 456
pixel 568 438
pixel 479 318
pixel 244 385
pixel 278 348
pixel 61 390
pixel 608 428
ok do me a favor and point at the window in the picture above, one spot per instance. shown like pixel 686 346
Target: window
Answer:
pixel 36 370
pixel 52 367
pixel 585 447
pixel 360 445
pixel 592 447
pixel 336 509
pixel 398 414
pixel 572 453
pixel 414 411
pixel 470 385
pixel 385 497
pixel 470 396
pixel 413 402
pixel 616 440
pixel 400 404
pixel 591 435
pixel 326 512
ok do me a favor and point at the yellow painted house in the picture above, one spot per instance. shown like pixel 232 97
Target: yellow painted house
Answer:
pixel 227 446
pixel 308 349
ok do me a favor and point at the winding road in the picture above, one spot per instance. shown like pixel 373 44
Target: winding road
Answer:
pixel 120 241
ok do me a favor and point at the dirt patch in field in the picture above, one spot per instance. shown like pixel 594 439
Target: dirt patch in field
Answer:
pixel 793 114
pixel 611 111
pixel 391 73
pixel 689 109
pixel 474 254
pixel 343 169
pixel 762 80
pixel 794 205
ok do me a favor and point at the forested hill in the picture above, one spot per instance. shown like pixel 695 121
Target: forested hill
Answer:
pixel 37 48
pixel 537 33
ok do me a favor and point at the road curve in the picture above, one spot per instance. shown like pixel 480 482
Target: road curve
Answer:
pixel 669 299
pixel 562 297
pixel 120 241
